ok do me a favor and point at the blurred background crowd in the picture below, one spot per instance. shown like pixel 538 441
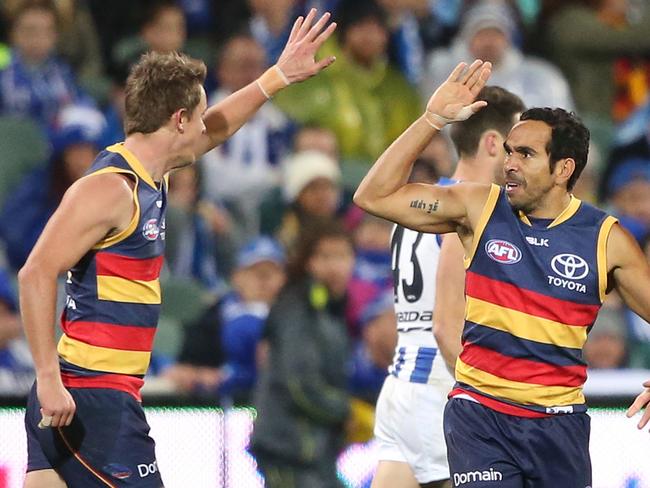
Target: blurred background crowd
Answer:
pixel 269 267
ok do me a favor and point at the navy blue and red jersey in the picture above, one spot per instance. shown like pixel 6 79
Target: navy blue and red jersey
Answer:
pixel 533 288
pixel 113 292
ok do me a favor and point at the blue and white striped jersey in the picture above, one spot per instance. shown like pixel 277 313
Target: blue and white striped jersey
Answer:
pixel 415 264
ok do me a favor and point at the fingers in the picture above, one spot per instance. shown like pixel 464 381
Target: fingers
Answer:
pixel 477 82
pixel 476 106
pixel 306 25
pixel 458 70
pixel 324 63
pixel 45 422
pixel 318 26
pixel 325 35
pixel 646 417
pixel 471 72
pixel 295 28
pixel 638 404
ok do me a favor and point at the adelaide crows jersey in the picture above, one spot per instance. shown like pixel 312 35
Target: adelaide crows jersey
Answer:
pixel 113 292
pixel 533 288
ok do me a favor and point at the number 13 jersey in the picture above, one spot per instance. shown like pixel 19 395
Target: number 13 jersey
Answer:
pixel 415 263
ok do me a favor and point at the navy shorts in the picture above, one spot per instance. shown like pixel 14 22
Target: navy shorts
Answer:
pixel 491 449
pixel 107 444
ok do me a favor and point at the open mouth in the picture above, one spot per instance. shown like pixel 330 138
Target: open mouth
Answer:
pixel 511 186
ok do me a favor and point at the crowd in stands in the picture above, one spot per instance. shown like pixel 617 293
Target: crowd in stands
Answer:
pixel 269 266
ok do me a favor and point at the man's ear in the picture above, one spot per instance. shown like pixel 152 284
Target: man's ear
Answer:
pixel 180 119
pixel 564 168
pixel 492 142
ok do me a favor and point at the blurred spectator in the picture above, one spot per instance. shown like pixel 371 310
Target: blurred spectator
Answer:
pixel 78 42
pixel 197 231
pixel 628 189
pixel 76 139
pixel 241 171
pixel 301 398
pixel 356 96
pixel 16 367
pixel 219 350
pixel 271 23
pixel 487 33
pixel 163 30
pixel 311 191
pixel 36 83
pixel 606 346
pixel 597 48
pixel 114 110
pixel 373 352
pixel 314 138
pixel 372 270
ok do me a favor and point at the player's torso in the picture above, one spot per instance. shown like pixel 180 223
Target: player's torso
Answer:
pixel 533 291
pixel 113 292
pixel 415 262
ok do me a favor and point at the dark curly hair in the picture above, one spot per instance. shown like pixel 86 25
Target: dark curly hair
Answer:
pixel 569 138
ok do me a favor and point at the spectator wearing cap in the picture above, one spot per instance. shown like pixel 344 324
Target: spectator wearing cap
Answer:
pixel 16 367
pixel 487 32
pixel 311 191
pixel 76 138
pixel 357 96
pixel 628 191
pixel 218 356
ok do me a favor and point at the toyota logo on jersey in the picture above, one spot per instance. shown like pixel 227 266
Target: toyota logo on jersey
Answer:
pixel 150 229
pixel 503 252
pixel 570 266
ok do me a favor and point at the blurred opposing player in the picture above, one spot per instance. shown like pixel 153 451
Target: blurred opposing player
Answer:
pixel 408 422
pixel 109 232
pixel 539 264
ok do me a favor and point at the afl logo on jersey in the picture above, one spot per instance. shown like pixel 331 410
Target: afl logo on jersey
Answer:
pixel 150 230
pixel 502 251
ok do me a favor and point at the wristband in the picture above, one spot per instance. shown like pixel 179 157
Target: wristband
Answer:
pixel 272 81
pixel 436 121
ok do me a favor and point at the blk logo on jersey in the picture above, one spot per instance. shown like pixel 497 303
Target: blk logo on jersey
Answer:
pixel 536 241
pixel 570 266
pixel 502 251
pixel 150 230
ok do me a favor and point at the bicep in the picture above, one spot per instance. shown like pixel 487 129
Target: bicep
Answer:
pixel 426 208
pixel 629 271
pixel 89 211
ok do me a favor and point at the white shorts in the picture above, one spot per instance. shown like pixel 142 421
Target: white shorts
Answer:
pixel 408 427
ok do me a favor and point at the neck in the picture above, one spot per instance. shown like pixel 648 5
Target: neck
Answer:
pixel 153 152
pixel 469 169
pixel 552 204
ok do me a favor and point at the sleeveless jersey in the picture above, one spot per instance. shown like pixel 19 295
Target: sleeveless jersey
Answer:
pixel 113 292
pixel 415 265
pixel 533 290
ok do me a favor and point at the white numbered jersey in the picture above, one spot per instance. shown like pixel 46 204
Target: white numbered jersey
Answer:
pixel 415 264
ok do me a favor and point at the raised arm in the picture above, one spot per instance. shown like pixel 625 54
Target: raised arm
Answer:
pixel 91 209
pixel 629 273
pixel 385 190
pixel 295 64
pixel 449 310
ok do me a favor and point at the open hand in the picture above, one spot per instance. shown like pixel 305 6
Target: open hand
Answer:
pixel 643 400
pixel 453 101
pixel 297 60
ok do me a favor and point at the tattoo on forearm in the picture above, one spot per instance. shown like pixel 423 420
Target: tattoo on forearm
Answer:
pixel 428 207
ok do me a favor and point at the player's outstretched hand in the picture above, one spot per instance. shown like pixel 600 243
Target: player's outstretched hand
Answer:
pixel 453 101
pixel 643 400
pixel 57 405
pixel 297 61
